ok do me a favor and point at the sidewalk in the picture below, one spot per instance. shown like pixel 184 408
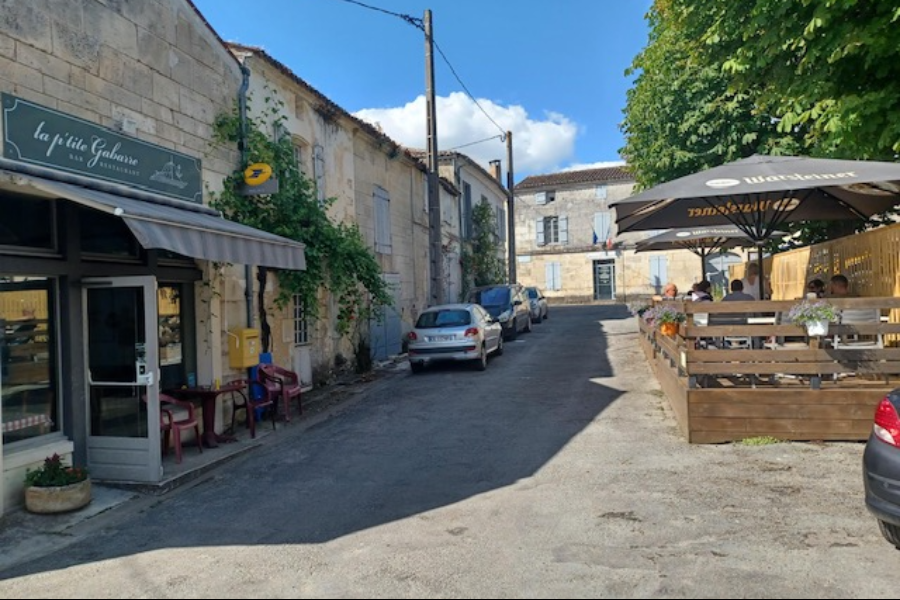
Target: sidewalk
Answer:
pixel 25 536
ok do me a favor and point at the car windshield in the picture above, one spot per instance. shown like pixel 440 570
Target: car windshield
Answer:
pixel 532 293
pixel 444 318
pixel 498 296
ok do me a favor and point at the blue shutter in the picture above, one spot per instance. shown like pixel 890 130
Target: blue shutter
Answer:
pixel 563 230
pixel 539 228
pixel 659 271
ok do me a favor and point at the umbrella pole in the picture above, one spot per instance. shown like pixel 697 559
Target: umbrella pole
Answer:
pixel 762 275
pixel 703 254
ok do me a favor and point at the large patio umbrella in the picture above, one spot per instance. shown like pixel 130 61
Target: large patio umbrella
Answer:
pixel 701 241
pixel 760 193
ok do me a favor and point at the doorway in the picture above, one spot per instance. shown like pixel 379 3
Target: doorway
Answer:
pixel 604 280
pixel 122 366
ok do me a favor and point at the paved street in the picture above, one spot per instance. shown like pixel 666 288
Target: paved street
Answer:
pixel 558 472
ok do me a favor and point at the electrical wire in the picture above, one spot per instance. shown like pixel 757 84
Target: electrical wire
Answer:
pixel 466 89
pixel 501 137
pixel 409 19
pixel 420 24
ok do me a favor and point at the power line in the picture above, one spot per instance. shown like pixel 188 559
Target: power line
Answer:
pixel 466 89
pixel 409 19
pixel 419 24
pixel 501 137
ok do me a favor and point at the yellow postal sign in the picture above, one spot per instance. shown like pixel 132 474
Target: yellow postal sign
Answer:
pixel 257 174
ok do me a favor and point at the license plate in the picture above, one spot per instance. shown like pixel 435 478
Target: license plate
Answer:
pixel 441 338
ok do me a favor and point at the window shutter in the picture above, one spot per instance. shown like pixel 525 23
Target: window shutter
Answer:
pixel 563 230
pixel 539 226
pixel 319 172
pixel 502 225
pixel 601 226
pixel 540 198
pixel 548 271
pixel 601 192
pixel 659 271
pixel 557 276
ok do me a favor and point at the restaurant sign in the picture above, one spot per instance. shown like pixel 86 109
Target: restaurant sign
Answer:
pixel 42 136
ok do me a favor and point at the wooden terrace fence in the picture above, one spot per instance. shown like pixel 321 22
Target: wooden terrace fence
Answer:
pixel 806 390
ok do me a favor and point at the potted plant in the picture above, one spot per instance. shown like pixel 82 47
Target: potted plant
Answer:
pixel 666 318
pixel 815 315
pixel 55 487
pixel 638 307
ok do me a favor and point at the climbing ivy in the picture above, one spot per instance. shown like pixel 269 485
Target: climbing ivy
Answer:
pixel 481 264
pixel 337 258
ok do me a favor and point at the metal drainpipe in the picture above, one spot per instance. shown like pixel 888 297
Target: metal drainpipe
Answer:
pixel 242 145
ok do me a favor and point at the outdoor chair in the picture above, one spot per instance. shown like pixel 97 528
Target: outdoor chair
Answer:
pixel 851 316
pixel 279 382
pixel 172 425
pixel 252 407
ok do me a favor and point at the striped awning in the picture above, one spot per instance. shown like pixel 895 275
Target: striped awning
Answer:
pixel 181 227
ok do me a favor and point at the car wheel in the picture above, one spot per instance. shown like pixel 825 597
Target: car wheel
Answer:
pixel 499 349
pixel 890 532
pixel 417 367
pixel 481 361
pixel 528 326
pixel 546 315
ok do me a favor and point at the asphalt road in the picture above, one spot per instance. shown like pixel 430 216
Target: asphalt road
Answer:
pixel 557 473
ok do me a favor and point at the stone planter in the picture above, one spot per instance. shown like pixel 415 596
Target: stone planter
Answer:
pixel 65 498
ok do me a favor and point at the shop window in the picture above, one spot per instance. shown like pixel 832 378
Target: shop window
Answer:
pixel 106 235
pixel 28 229
pixel 28 385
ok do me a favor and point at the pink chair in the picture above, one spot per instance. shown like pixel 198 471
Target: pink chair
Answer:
pixel 280 382
pixel 168 424
pixel 250 405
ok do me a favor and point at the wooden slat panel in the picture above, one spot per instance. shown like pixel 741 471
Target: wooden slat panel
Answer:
pixel 796 368
pixel 722 437
pixel 801 396
pixel 789 356
pixel 675 390
pixel 852 410
pixel 781 426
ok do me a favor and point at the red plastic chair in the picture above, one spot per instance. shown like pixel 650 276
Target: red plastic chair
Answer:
pixel 168 424
pixel 280 382
pixel 250 405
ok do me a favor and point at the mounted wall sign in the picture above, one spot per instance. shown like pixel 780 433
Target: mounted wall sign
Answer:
pixel 42 136
pixel 257 174
pixel 258 180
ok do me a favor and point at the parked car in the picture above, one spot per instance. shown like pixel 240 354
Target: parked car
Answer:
pixel 454 332
pixel 881 468
pixel 538 304
pixel 507 303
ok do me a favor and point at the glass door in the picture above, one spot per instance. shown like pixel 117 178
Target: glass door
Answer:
pixel 604 280
pixel 122 364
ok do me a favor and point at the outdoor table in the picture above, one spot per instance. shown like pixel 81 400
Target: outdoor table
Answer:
pixel 207 395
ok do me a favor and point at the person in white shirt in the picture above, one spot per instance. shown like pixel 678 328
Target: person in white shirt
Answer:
pixel 751 282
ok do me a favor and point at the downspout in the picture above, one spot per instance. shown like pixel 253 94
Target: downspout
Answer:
pixel 242 146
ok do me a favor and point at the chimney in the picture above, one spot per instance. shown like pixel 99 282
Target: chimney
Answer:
pixel 495 170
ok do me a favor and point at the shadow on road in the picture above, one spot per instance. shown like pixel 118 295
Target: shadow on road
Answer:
pixel 419 443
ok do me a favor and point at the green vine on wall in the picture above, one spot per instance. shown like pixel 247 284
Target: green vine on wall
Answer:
pixel 337 258
pixel 480 262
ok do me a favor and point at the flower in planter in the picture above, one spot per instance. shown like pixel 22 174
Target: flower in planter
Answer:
pixel 808 311
pixel 54 473
pixel 663 313
pixel 638 307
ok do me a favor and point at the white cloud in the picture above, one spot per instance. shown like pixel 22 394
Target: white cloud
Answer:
pixel 539 145
pixel 597 165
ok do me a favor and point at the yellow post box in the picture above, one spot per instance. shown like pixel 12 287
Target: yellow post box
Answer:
pixel 243 348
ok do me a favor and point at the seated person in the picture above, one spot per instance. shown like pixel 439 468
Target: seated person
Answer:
pixel 751 283
pixel 670 292
pixel 701 291
pixel 737 293
pixel 839 286
pixel 817 287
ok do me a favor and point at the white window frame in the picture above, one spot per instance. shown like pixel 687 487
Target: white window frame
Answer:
pixel 301 323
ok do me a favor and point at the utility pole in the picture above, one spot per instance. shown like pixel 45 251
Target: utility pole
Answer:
pixel 436 259
pixel 511 212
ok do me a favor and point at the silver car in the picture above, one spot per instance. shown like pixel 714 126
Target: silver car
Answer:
pixel 454 332
pixel 538 304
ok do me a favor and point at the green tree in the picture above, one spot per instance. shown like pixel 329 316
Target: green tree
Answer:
pixel 337 257
pixel 826 67
pixel 482 264
pixel 681 114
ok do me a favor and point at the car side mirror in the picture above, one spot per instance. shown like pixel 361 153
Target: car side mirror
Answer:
pixel 517 303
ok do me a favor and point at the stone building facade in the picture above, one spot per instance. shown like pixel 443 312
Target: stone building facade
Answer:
pixel 567 242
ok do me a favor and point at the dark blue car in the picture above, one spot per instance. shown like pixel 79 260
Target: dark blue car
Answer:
pixel 881 468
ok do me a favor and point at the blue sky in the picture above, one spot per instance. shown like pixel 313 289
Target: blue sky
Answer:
pixel 550 72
